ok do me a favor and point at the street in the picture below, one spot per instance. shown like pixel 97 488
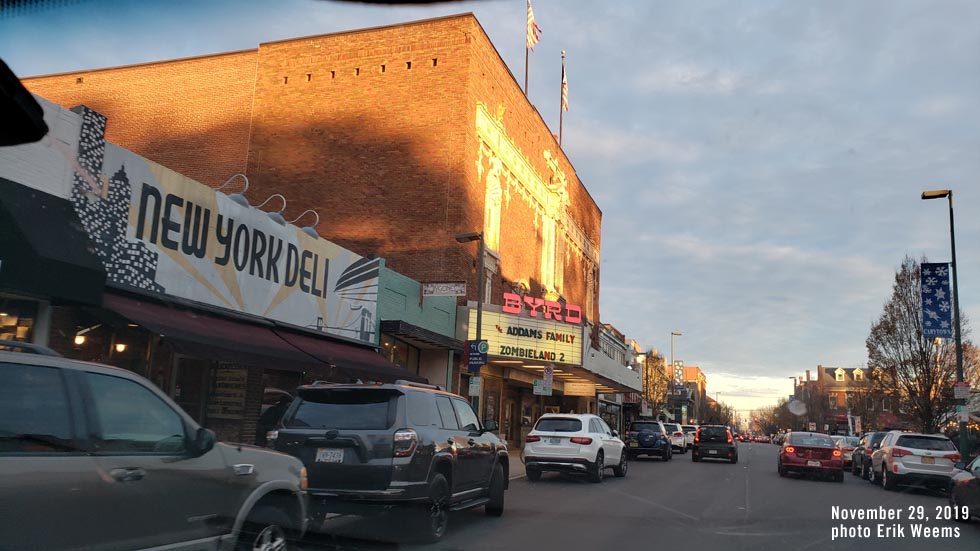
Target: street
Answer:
pixel 681 503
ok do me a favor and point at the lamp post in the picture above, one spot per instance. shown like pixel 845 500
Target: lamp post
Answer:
pixel 673 374
pixel 939 194
pixel 466 238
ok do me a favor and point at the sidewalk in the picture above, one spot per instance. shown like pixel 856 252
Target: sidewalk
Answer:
pixel 516 465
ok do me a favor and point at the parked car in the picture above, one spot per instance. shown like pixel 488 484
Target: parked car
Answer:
pixel 407 447
pixel 914 458
pixel 779 439
pixel 714 442
pixel 676 436
pixel 574 443
pixel 689 433
pixel 648 437
pixel 964 491
pixel 846 445
pixel 810 453
pixel 117 464
pixel 861 456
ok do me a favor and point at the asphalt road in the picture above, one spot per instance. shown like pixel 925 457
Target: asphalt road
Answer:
pixel 679 504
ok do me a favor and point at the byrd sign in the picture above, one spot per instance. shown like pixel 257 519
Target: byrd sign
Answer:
pixel 529 339
pixel 538 307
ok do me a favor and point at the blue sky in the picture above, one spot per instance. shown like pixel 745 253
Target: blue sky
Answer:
pixel 758 163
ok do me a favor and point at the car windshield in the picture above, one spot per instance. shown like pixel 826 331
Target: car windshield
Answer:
pixel 928 443
pixel 559 424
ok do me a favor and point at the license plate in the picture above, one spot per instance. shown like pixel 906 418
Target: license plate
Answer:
pixel 634 444
pixel 330 455
pixel 812 463
pixel 929 460
pixel 713 452
pixel 554 440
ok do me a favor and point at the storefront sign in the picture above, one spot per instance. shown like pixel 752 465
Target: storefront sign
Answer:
pixel 536 340
pixel 579 389
pixel 159 231
pixel 541 389
pixel 538 307
pixel 227 397
pixel 444 289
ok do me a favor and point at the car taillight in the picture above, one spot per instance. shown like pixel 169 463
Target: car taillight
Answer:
pixel 954 457
pixel 836 453
pixel 896 452
pixel 530 438
pixel 678 434
pixel 584 440
pixel 729 438
pixel 304 482
pixel 788 449
pixel 405 442
pixel 271 437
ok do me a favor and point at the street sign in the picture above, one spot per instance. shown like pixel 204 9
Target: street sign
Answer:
pixel 963 413
pixel 541 389
pixel 477 357
pixel 937 310
pixel 857 424
pixel 474 385
pixel 549 375
pixel 961 391
pixel 812 427
pixel 444 289
pixel 826 427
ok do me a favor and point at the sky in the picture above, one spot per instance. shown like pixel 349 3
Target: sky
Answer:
pixel 758 164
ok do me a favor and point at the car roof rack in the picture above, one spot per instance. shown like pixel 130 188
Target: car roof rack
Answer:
pixel 419 385
pixel 18 346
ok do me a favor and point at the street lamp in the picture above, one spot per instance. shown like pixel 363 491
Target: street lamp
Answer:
pixel 673 373
pixel 939 194
pixel 466 238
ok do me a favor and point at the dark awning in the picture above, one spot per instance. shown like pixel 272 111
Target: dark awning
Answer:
pixel 212 337
pixel 360 362
pixel 44 249
pixel 419 336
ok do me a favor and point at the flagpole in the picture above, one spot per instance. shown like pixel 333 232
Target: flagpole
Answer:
pixel 561 100
pixel 526 58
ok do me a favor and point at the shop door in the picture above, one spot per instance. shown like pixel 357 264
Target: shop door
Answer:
pixel 191 386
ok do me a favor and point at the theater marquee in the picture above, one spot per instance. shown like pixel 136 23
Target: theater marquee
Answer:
pixel 529 339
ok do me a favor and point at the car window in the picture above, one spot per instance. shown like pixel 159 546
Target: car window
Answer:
pixel 344 408
pixel 604 428
pixel 467 419
pixel 133 419
pixel 671 427
pixel 812 440
pixel 422 409
pixel 877 438
pixel 929 443
pixel 446 413
pixel 559 424
pixel 34 411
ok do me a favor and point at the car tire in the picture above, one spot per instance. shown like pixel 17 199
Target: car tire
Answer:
pixel 683 450
pixel 955 504
pixel 694 457
pixel 266 527
pixel 435 514
pixel 854 468
pixel 781 469
pixel 621 469
pixel 533 475
pixel 889 481
pixel 495 507
pixel 734 459
pixel 839 477
pixel 598 469
pixel 665 455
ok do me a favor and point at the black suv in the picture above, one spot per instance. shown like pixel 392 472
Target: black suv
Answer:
pixel 648 437
pixel 861 456
pixel 412 448
pixel 714 442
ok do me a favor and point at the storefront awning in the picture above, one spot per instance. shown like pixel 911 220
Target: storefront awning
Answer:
pixel 419 336
pixel 212 337
pixel 360 362
pixel 44 249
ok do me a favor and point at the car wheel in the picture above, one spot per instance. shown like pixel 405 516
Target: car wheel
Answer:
pixel 854 468
pixel 954 502
pixel 266 529
pixel 781 469
pixel 533 475
pixel 598 470
pixel 436 512
pixel 694 457
pixel 734 459
pixel 620 470
pixel 495 507
pixel 683 450
pixel 888 480
pixel 839 477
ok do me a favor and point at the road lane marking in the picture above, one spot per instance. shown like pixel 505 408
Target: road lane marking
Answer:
pixel 658 505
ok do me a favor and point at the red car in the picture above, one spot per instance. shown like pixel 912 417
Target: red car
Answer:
pixel 811 453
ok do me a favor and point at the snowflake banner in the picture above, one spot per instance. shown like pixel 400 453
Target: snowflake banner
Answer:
pixel 937 303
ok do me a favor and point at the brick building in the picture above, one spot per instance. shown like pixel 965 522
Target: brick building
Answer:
pixel 400 137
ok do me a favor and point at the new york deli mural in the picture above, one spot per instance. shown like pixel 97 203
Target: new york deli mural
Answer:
pixel 157 230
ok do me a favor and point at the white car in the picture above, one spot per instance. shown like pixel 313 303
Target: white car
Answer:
pixel 677 439
pixel 576 443
pixel 689 432
pixel 914 458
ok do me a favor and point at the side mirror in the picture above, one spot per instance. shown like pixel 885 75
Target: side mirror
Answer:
pixel 615 433
pixel 204 441
pixel 489 425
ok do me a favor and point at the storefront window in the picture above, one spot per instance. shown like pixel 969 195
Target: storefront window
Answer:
pixel 17 319
pixel 400 353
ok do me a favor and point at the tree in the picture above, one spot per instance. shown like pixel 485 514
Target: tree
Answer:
pixel 921 369
pixel 656 380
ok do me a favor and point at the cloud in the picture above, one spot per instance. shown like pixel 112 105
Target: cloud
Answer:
pixel 602 141
pixel 938 106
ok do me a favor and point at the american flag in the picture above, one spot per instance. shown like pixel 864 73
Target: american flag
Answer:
pixel 564 89
pixel 532 28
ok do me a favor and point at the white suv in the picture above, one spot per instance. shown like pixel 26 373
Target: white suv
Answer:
pixel 676 436
pixel 914 458
pixel 689 432
pixel 565 442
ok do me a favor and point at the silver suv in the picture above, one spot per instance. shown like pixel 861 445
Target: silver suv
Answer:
pixel 914 458
pixel 96 457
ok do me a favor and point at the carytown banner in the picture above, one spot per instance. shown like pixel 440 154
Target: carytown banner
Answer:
pixel 160 231
pixel 937 304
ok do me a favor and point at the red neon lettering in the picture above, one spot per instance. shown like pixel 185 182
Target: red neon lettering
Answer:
pixel 533 305
pixel 552 310
pixel 512 303
pixel 573 314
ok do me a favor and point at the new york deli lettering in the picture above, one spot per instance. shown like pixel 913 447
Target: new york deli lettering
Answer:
pixel 514 303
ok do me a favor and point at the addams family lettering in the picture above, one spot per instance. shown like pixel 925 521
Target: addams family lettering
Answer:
pixel 541 335
pixel 248 249
pixel 514 303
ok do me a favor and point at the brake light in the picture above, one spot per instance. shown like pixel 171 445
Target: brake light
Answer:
pixel 405 442
pixel 304 482
pixel 584 440
pixel 729 438
pixel 789 449
pixel 896 452
pixel 836 453
pixel 678 434
pixel 530 438
pixel 955 457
